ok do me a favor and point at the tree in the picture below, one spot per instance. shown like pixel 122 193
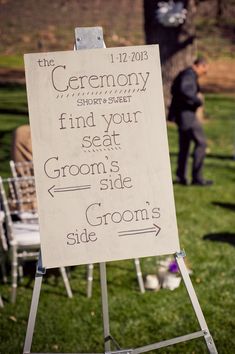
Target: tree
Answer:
pixel 177 44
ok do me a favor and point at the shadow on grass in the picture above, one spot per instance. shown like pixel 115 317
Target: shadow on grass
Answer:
pixel 227 237
pixel 15 111
pixel 52 280
pixel 230 206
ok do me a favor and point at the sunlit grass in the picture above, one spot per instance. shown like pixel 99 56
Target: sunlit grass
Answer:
pixel 207 233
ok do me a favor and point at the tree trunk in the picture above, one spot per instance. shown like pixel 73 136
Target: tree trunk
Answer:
pixel 219 11
pixel 177 45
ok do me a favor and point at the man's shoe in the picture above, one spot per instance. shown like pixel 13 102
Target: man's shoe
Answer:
pixel 202 182
pixel 181 181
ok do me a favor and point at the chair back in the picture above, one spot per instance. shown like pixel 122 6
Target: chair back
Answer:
pixel 21 169
pixel 18 202
pixel 24 188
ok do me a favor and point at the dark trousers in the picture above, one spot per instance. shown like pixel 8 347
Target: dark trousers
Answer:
pixel 194 134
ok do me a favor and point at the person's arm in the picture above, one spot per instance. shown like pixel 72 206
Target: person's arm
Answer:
pixel 21 149
pixel 189 91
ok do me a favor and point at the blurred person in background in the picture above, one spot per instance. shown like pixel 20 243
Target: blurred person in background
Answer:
pixel 186 99
pixel 21 149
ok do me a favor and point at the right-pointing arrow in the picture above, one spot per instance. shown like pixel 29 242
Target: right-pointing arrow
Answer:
pixel 154 229
pixel 158 229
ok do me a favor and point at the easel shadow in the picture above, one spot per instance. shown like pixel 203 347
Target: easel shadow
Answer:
pixel 230 206
pixel 227 237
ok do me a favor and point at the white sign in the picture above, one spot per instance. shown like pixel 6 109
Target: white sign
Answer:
pixel 101 156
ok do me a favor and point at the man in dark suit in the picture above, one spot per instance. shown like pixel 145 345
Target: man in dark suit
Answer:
pixel 185 101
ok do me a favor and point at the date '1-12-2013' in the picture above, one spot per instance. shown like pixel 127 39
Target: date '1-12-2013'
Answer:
pixel 133 56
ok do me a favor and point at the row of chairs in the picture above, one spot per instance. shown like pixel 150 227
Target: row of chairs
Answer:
pixel 20 234
pixel 19 228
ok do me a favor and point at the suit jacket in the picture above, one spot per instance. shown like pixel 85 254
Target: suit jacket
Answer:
pixel 185 100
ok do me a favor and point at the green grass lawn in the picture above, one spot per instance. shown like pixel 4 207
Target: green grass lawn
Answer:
pixel 207 233
pixel 15 61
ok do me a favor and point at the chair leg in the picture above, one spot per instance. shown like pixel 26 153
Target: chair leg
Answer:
pixel 21 273
pixel 14 267
pixel 139 275
pixel 3 269
pixel 89 279
pixel 1 302
pixel 66 282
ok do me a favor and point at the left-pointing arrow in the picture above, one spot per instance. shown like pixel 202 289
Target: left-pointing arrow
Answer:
pixel 50 189
pixel 54 189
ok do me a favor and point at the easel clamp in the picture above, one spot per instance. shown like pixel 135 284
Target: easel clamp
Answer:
pixel 40 269
pixel 180 254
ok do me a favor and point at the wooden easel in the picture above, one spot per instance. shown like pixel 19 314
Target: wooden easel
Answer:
pixel 93 38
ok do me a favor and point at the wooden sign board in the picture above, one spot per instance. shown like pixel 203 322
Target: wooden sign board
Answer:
pixel 101 158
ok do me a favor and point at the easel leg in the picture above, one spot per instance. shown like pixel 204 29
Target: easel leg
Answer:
pixel 34 305
pixel 89 279
pixel 139 275
pixel 195 303
pixel 66 282
pixel 105 310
